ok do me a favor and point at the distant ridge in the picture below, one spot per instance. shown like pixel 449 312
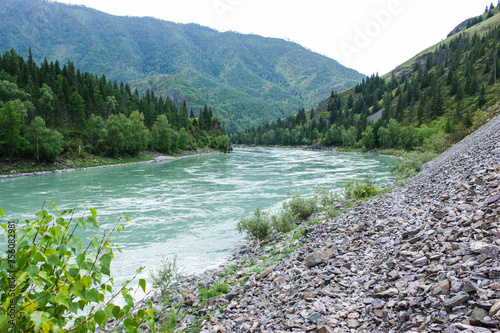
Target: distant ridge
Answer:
pixel 247 79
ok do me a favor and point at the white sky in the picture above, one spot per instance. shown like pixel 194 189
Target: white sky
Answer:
pixel 367 35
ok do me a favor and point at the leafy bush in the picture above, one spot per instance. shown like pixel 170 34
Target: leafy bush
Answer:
pixel 301 206
pixel 258 226
pixel 411 163
pixel 438 142
pixel 166 275
pixel 284 221
pixel 356 189
pixel 326 197
pixel 46 278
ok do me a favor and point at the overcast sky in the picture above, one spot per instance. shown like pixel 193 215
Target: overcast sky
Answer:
pixel 367 35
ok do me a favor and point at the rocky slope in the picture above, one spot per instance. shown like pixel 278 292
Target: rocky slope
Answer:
pixel 421 258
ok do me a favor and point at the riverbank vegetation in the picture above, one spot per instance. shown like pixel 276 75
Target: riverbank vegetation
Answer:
pixel 49 112
pixel 51 281
pixel 428 105
pixel 299 208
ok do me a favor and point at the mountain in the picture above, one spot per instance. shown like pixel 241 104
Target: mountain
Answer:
pixel 430 101
pixel 247 79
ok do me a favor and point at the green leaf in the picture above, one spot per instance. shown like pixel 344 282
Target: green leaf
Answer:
pixel 109 309
pixel 140 269
pixel 81 222
pixel 54 260
pixel 1 213
pixel 93 211
pixel 38 318
pixel 73 272
pixel 62 299
pixel 106 258
pixel 4 322
pixel 86 280
pixel 117 312
pixel 129 300
pixel 91 221
pixel 54 205
pixel 77 288
pixel 100 318
pixel 80 259
pixel 74 244
pixel 142 284
pixel 39 257
pixel 33 270
pixel 92 295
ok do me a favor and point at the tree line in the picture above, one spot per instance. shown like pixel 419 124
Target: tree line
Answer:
pixel 443 93
pixel 48 110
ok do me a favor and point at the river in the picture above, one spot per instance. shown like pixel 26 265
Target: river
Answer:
pixel 187 207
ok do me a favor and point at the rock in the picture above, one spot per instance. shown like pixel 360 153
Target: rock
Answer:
pixel 324 329
pixel 469 329
pixel 421 262
pixel 470 287
pixel 422 257
pixel 387 293
pixel 441 287
pixel 353 323
pixel 477 316
pixel 267 271
pixel 493 199
pixel 489 250
pixel 317 258
pixel 494 309
pixel 460 298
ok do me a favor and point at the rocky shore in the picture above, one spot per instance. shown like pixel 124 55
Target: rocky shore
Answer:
pixel 424 257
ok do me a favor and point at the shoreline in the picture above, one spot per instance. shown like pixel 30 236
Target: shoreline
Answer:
pixel 156 159
pixel 421 257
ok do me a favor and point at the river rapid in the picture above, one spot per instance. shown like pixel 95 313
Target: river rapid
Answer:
pixel 187 207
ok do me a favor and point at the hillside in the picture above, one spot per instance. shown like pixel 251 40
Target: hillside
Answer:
pixel 247 79
pixel 49 115
pixel 438 96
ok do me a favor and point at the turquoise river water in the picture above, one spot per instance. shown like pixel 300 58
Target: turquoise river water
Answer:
pixel 187 207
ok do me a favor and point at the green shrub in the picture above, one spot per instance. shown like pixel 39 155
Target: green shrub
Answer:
pixel 411 163
pixel 438 142
pixel 167 274
pixel 326 197
pixel 47 278
pixel 301 206
pixel 258 226
pixel 356 189
pixel 284 221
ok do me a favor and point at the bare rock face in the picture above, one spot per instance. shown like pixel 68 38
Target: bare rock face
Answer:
pixel 421 258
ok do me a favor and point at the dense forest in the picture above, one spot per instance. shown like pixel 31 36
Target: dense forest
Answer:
pixel 441 96
pixel 49 110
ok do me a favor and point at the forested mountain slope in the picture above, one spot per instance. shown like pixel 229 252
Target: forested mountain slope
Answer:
pixel 436 98
pixel 247 79
pixel 49 109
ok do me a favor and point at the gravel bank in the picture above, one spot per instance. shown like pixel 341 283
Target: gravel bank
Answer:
pixel 424 257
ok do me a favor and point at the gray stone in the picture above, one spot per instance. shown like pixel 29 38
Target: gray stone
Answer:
pixel 477 316
pixel 387 293
pixel 460 298
pixel 318 258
